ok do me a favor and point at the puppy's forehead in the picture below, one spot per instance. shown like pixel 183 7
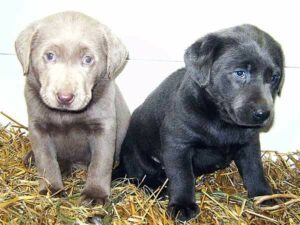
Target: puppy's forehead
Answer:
pixel 70 28
pixel 248 56
pixel 69 34
pixel 255 43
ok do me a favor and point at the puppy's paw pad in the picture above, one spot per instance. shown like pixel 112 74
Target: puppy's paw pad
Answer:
pixel 183 212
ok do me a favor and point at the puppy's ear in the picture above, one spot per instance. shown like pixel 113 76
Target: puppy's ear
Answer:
pixel 23 46
pixel 116 54
pixel 281 64
pixel 281 84
pixel 200 56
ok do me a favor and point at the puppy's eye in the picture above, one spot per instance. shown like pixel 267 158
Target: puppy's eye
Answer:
pixel 87 60
pixel 50 57
pixel 275 77
pixel 241 74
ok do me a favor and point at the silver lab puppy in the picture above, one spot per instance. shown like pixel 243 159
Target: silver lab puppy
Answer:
pixel 76 111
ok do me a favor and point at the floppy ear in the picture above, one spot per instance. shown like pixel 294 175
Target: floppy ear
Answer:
pixel 199 58
pixel 281 84
pixel 23 46
pixel 282 72
pixel 116 54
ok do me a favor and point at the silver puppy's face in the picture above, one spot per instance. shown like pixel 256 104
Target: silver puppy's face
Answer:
pixel 67 53
pixel 67 63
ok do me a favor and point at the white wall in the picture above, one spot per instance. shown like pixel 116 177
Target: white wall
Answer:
pixel 156 34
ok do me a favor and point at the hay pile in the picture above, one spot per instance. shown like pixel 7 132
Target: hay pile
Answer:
pixel 220 196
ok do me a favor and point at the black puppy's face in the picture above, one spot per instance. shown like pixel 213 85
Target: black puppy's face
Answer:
pixel 243 72
pixel 245 81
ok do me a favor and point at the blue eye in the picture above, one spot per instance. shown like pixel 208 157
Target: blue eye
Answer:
pixel 241 74
pixel 87 60
pixel 50 56
pixel 275 77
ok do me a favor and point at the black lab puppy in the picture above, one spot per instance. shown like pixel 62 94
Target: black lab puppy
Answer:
pixel 207 114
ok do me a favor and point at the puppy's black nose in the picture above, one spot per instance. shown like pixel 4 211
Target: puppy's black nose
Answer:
pixel 261 115
pixel 65 98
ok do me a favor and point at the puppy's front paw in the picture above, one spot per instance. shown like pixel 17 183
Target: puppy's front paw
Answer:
pixel 94 195
pixel 270 202
pixel 183 212
pixel 58 191
pixel 265 201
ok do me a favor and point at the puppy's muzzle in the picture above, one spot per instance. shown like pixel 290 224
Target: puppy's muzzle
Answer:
pixel 260 115
pixel 65 98
pixel 253 115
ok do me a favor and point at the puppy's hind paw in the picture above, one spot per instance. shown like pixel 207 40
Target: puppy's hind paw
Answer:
pixel 183 212
pixel 28 159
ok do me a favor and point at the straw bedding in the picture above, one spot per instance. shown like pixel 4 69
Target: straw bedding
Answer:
pixel 220 196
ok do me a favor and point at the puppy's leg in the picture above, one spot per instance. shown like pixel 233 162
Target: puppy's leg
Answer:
pixel 249 164
pixel 123 118
pixel 46 162
pixel 65 167
pixel 134 168
pixel 102 147
pixel 140 167
pixel 178 167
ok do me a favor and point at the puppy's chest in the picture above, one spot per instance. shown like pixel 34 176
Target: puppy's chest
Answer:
pixel 210 159
pixel 219 136
pixel 72 145
pixel 71 140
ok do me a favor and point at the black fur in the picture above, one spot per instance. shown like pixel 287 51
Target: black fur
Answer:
pixel 205 115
